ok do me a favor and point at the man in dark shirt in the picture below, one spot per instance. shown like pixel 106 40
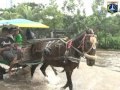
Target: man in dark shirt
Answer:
pixel 8 52
pixel 4 40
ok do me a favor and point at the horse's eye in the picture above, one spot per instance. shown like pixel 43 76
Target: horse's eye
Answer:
pixel 88 43
pixel 80 42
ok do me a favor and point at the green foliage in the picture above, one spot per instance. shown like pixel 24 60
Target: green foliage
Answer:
pixel 110 43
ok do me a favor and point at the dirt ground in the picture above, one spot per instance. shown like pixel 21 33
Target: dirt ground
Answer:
pixel 84 78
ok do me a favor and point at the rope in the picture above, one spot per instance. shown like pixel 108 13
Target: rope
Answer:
pixel 29 62
pixel 73 48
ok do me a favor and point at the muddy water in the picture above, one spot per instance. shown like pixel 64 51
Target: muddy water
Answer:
pixel 104 75
pixel 109 59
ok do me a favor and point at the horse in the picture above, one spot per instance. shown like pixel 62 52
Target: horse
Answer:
pixel 60 54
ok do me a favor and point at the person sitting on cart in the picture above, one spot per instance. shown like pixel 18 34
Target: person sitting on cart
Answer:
pixel 18 38
pixel 30 35
pixel 17 46
pixel 7 49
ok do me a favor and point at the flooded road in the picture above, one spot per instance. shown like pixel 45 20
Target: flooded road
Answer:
pixel 109 59
pixel 105 75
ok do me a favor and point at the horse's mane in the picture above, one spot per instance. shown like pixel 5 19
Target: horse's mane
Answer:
pixel 78 38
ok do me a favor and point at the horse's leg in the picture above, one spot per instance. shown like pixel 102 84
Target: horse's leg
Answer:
pixel 2 71
pixel 43 68
pixel 69 80
pixel 33 67
pixel 55 71
pixel 24 66
pixel 62 70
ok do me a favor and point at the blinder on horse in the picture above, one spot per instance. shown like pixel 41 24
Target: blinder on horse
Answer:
pixel 88 40
pixel 89 43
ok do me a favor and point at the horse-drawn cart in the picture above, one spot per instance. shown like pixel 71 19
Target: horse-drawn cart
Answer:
pixel 56 52
pixel 27 59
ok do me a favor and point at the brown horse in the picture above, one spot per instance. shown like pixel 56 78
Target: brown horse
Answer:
pixel 59 54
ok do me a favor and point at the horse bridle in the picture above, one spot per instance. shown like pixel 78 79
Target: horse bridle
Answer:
pixel 82 43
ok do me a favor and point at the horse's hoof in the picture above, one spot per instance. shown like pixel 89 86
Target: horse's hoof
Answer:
pixel 56 73
pixel 46 75
pixel 1 76
pixel 62 71
pixel 62 88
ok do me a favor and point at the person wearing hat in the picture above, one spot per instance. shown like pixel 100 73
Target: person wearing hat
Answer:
pixel 10 47
pixel 5 41
pixel 6 49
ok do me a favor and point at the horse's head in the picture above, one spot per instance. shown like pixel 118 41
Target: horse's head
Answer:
pixel 86 43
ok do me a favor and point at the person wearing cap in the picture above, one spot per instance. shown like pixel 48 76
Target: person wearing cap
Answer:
pixel 5 41
pixel 10 35
pixel 8 47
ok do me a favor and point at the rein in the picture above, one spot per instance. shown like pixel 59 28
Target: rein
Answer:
pixel 73 48
pixel 81 45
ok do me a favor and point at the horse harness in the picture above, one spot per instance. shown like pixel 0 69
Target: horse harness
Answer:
pixel 82 43
pixel 69 44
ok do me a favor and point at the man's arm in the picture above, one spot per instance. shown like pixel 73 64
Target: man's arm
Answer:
pixel 5 48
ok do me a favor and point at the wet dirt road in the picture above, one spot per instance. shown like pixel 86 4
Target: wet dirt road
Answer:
pixel 104 75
